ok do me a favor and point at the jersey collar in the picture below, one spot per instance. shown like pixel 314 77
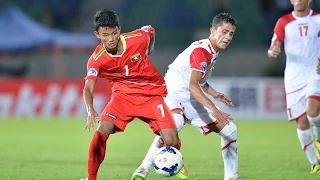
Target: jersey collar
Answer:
pixel 211 47
pixel 296 17
pixel 124 44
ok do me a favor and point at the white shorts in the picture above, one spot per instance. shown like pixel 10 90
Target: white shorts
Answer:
pixel 195 113
pixel 297 100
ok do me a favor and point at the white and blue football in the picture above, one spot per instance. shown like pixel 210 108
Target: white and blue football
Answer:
pixel 167 161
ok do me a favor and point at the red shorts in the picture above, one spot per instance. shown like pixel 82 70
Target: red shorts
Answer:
pixel 122 109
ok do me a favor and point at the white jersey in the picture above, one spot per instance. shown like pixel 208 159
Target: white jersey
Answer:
pixel 301 38
pixel 199 56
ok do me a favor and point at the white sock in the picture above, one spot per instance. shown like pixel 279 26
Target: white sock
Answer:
pixel 316 132
pixel 229 149
pixel 308 145
pixel 315 121
pixel 158 143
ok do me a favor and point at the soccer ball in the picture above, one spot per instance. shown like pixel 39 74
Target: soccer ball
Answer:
pixel 167 161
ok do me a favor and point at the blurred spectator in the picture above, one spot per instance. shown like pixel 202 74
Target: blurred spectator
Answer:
pixel 221 6
pixel 269 14
pixel 53 13
pixel 284 7
pixel 126 7
pixel 315 5
pixel 179 14
pixel 16 71
pixel 47 15
pixel 63 11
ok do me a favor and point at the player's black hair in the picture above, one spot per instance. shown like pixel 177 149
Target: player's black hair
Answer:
pixel 223 18
pixel 105 18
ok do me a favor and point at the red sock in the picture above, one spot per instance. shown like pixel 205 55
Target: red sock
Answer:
pixel 97 151
pixel 179 145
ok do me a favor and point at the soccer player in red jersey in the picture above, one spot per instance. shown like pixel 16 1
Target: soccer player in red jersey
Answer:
pixel 138 87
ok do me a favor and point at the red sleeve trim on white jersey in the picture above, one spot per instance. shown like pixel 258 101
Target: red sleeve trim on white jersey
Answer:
pixel 315 13
pixel 280 27
pixel 200 59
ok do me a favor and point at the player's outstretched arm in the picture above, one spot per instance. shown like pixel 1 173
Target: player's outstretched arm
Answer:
pixel 88 100
pixel 198 94
pixel 217 95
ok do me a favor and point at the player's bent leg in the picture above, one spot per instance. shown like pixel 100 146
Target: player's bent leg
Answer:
pixel 143 170
pixel 206 123
pixel 306 141
pixel 217 127
pixel 162 122
pixel 313 110
pixel 170 137
pixel 97 148
pixel 106 127
pixel 229 148
pixel 180 121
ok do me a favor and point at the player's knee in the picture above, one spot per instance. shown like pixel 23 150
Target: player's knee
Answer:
pixel 312 112
pixel 231 127
pixel 106 127
pixel 172 141
pixel 303 123
pixel 221 125
pixel 179 120
pixel 315 120
pixel 313 108
pixel 170 136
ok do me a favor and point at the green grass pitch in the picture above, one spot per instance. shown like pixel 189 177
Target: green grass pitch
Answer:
pixel 56 149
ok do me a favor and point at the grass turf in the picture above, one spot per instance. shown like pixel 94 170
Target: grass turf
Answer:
pixel 56 149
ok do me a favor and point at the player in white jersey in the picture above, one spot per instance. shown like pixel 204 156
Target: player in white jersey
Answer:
pixel 187 86
pixel 300 31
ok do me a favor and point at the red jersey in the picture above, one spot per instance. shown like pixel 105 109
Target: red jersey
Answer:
pixel 132 71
